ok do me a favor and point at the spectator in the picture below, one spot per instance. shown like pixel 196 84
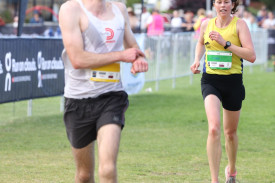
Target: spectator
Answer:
pixel 57 32
pixel 262 15
pixel 2 22
pixel 269 23
pixel 250 20
pixel 134 23
pixel 176 22
pixel 144 18
pixel 15 21
pixel 246 16
pixel 253 23
pixel 15 24
pixel 36 19
pixel 240 11
pixel 209 14
pixel 200 18
pixel 188 22
pixel 155 24
pixel 49 32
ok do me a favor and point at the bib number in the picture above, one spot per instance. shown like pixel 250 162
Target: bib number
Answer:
pixel 219 59
pixel 107 73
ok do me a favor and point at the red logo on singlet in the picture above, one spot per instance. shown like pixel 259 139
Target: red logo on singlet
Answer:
pixel 110 35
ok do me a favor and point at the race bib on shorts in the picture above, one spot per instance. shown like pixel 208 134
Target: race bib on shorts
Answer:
pixel 107 73
pixel 219 59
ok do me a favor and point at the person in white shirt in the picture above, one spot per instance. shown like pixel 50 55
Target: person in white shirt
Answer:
pixel 97 37
pixel 144 18
pixel 176 22
pixel 269 23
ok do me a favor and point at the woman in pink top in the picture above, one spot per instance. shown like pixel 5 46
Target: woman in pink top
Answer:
pixel 155 24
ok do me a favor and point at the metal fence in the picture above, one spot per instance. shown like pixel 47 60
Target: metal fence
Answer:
pixel 170 56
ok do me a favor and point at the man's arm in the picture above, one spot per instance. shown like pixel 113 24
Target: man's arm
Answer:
pixel 140 64
pixel 69 21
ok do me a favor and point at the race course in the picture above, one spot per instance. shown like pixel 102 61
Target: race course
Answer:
pixel 164 139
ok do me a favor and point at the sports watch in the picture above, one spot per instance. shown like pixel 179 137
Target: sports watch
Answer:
pixel 227 44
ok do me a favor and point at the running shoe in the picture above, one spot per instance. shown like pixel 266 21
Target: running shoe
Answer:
pixel 230 178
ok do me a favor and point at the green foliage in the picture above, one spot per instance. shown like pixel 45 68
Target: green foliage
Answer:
pixel 253 10
pixel 269 4
pixel 163 141
pixel 130 3
pixel 7 16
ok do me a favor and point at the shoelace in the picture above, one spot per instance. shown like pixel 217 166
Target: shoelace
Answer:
pixel 231 180
pixel 232 177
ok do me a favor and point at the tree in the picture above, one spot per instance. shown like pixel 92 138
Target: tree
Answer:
pixel 269 4
pixel 129 3
pixel 192 5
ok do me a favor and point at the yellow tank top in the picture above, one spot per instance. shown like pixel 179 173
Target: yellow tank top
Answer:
pixel 228 33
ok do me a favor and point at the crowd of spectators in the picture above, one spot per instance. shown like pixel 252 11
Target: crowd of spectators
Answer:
pixel 186 20
pixel 154 22
pixel 35 26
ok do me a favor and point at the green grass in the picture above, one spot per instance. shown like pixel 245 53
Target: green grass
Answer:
pixel 164 140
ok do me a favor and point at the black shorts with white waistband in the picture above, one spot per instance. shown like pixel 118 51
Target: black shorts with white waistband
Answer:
pixel 84 117
pixel 228 88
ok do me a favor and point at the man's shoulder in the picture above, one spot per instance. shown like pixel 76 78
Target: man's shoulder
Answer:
pixel 69 12
pixel 120 5
pixel 70 6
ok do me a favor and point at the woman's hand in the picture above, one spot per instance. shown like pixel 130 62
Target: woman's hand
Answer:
pixel 213 35
pixel 194 67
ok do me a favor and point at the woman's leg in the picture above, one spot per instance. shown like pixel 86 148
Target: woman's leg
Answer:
pixel 212 109
pixel 230 123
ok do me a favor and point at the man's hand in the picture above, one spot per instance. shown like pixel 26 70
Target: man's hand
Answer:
pixel 131 55
pixel 139 65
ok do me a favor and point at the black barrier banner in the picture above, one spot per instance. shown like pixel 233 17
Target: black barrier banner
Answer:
pixel 30 68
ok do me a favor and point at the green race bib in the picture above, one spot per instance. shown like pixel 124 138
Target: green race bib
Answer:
pixel 219 59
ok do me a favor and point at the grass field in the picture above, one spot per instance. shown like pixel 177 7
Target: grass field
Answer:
pixel 164 140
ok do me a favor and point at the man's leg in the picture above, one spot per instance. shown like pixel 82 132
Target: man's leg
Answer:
pixel 212 108
pixel 84 160
pixel 230 123
pixel 108 144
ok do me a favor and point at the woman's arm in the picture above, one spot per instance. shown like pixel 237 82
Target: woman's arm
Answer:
pixel 200 49
pixel 246 51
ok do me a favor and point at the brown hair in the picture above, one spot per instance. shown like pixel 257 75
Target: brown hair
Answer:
pixel 236 4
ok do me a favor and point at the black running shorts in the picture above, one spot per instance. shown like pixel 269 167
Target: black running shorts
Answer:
pixel 84 117
pixel 228 88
